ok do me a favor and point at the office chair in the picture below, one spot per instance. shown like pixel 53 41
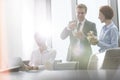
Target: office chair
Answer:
pixel 112 59
pixel 92 65
pixel 119 41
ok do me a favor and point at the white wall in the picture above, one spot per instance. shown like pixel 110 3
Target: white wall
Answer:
pixel 61 15
pixel 27 28
pixel 19 23
pixel 23 18
pixel 13 20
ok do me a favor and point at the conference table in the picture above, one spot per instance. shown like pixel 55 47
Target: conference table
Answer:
pixel 62 75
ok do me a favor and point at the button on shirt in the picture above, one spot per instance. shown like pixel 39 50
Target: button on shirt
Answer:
pixel 108 37
pixel 78 49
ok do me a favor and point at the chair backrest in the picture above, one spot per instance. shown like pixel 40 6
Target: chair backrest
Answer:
pixel 112 59
pixel 92 65
pixel 119 41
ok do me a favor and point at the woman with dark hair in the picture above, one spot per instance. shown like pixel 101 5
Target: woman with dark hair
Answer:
pixel 109 33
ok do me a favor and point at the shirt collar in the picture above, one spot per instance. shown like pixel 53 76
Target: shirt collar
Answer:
pixel 82 22
pixel 108 26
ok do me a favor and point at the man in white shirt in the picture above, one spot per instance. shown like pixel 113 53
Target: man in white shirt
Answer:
pixel 43 57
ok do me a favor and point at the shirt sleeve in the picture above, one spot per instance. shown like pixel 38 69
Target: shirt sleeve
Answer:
pixel 65 33
pixel 50 62
pixel 31 63
pixel 114 40
pixel 52 56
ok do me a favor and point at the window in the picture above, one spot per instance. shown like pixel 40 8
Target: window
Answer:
pixel 61 15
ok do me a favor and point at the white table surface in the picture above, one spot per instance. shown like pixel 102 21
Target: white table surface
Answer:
pixel 62 75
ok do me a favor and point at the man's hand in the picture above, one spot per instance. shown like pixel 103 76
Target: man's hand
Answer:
pixel 93 40
pixel 35 68
pixel 72 25
pixel 31 67
pixel 27 67
pixel 78 35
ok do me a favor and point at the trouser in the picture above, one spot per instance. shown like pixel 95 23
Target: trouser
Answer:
pixel 82 62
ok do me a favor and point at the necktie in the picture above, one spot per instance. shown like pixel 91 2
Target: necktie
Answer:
pixel 78 27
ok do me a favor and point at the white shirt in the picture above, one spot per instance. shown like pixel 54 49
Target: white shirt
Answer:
pixel 78 48
pixel 38 58
pixel 82 25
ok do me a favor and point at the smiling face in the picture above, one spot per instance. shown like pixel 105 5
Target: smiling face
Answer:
pixel 81 11
pixel 101 17
pixel 105 13
pixel 80 14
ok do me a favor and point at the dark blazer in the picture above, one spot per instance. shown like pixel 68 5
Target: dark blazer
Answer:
pixel 88 26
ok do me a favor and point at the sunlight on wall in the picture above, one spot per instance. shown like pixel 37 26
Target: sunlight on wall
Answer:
pixel 27 28
pixel 61 15
pixel 34 19
pixel 45 29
